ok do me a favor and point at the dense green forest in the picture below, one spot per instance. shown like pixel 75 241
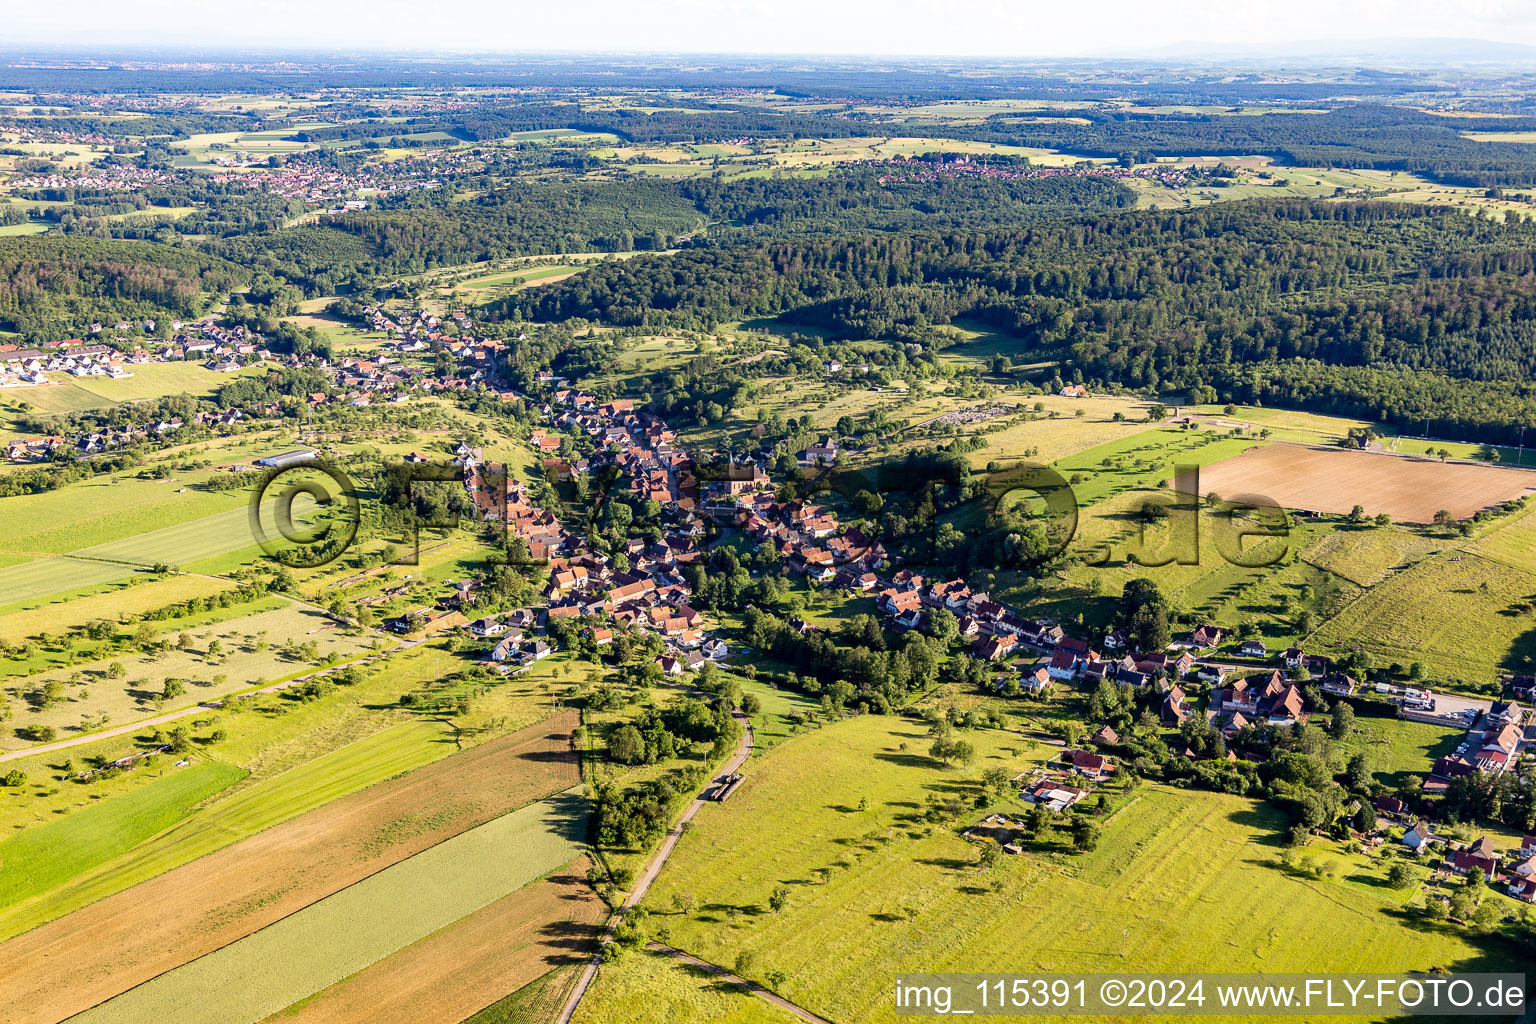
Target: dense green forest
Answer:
pixel 433 228
pixel 54 286
pixel 1271 301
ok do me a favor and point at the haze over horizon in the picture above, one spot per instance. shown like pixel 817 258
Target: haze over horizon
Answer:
pixel 979 28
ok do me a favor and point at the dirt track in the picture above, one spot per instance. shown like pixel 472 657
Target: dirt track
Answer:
pixel 110 946
pixel 1410 489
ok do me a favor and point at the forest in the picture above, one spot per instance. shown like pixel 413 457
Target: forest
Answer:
pixel 55 286
pixel 1371 307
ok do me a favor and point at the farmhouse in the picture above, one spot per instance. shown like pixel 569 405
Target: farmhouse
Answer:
pixel 1055 795
pixel 1087 764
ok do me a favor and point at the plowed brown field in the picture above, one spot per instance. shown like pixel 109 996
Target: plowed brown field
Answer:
pixel 110 946
pixel 1409 489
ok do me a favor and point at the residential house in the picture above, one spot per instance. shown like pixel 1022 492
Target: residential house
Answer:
pixel 1175 707
pixel 1036 681
pixel 1206 637
pixel 1087 764
pixel 1062 666
pixel 1418 837
pixel 1055 795
pixel 995 648
pixel 1480 855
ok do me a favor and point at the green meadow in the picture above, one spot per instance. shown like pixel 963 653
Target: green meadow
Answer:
pixel 251 652
pixel 40 858
pixel 1181 880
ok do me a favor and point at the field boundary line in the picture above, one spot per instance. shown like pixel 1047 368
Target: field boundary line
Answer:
pixel 743 983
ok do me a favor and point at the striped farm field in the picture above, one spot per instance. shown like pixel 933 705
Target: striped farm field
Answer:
pixel 21 623
pixel 471 963
pixel 231 817
pixel 178 545
pixel 124 940
pixel 327 941
pixel 41 577
pixel 39 858
pixel 98 516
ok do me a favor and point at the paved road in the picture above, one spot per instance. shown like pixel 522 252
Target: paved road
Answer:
pixel 643 883
pixel 751 986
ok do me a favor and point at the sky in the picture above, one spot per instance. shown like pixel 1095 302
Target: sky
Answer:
pixel 1019 28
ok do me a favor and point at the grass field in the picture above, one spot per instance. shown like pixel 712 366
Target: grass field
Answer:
pixel 252 653
pixel 1454 613
pixel 771 726
pixel 55 617
pixel 653 988
pixel 1180 881
pixel 1368 555
pixel 1066 434
pixel 1513 544
pixel 1399 748
pixel 68 393
pixel 40 858
pixel 328 941
pixel 154 380
pixel 1285 424
pixel 61 395
pixel 517 278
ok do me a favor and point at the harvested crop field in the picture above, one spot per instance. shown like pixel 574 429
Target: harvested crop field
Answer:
pixel 347 932
pixel 472 963
pixel 124 940
pixel 1334 480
